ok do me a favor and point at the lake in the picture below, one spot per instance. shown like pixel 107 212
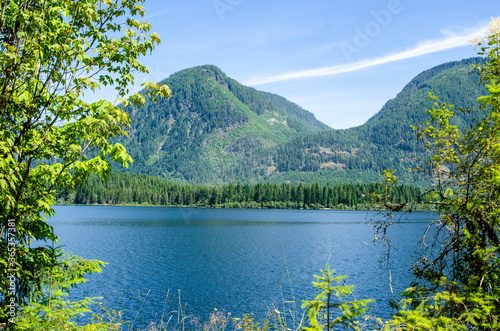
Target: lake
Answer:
pixel 230 259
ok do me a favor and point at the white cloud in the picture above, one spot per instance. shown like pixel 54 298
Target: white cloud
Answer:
pixel 451 41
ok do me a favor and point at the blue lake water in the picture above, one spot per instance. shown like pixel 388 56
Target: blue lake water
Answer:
pixel 230 259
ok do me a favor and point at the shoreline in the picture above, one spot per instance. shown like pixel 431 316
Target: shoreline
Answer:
pixel 233 206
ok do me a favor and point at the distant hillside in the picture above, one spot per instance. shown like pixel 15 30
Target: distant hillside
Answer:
pixel 386 141
pixel 215 130
pixel 211 122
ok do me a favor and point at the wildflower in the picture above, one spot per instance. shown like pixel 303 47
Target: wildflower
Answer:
pixel 476 41
pixel 494 29
pixel 494 26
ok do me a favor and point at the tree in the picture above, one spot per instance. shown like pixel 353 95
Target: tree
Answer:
pixel 329 308
pixel 51 53
pixel 458 284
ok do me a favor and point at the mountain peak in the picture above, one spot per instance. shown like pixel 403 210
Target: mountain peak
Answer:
pixel 210 123
pixel 208 69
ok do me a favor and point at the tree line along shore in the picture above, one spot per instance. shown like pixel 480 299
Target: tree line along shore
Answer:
pixel 124 188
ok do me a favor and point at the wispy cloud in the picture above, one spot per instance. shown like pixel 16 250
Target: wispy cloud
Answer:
pixel 422 48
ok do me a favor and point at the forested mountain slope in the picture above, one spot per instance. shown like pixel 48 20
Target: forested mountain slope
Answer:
pixel 386 141
pixel 214 130
pixel 209 125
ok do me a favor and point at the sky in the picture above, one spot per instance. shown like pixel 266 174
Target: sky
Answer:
pixel 339 59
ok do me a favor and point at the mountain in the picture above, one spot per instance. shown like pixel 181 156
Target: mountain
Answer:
pixel 209 125
pixel 215 130
pixel 386 141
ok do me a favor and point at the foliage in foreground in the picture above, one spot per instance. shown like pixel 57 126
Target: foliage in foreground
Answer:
pixel 51 53
pixel 458 280
pixel 331 292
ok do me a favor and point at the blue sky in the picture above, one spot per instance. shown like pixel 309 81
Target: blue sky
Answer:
pixel 340 59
